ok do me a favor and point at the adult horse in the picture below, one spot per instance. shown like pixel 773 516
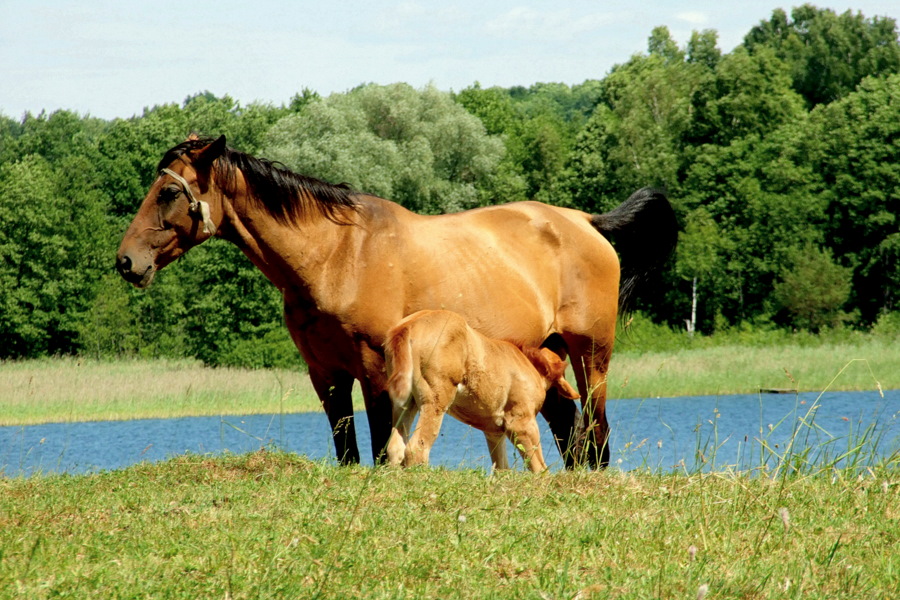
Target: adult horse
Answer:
pixel 350 266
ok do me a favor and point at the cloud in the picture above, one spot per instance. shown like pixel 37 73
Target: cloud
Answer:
pixel 693 17
pixel 524 22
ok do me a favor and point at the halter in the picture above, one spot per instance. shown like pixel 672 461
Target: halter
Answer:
pixel 196 206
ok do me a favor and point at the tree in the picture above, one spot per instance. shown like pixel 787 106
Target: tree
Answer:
pixel 703 48
pixel 416 147
pixel 746 94
pixel 813 289
pixel 828 54
pixel 45 260
pixel 699 259
pixel 852 146
pixel 634 138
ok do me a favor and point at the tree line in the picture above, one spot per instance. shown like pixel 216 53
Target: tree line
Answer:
pixel 780 158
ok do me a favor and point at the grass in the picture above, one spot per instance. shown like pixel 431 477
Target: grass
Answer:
pixel 733 369
pixel 799 522
pixel 273 525
pixel 67 389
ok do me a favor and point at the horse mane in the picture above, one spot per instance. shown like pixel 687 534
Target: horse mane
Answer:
pixel 287 196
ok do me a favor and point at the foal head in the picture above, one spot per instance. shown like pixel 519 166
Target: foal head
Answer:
pixel 553 369
pixel 180 211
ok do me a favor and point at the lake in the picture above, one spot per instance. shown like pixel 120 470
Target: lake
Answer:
pixel 662 434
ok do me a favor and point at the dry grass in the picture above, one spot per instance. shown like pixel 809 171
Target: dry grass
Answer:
pixel 745 370
pixel 60 390
pixel 56 390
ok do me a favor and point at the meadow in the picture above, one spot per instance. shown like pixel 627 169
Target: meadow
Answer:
pixel 274 525
pixel 74 389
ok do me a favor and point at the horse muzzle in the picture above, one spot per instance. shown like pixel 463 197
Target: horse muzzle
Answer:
pixel 137 276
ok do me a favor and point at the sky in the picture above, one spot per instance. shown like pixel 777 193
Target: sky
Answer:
pixel 113 59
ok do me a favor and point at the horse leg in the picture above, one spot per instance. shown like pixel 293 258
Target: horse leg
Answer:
pixel 590 361
pixel 564 419
pixel 562 414
pixel 334 391
pixel 496 443
pixel 379 409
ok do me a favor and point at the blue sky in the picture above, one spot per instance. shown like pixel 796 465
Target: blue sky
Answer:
pixel 114 58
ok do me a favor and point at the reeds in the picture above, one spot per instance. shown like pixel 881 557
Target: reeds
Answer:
pixel 71 389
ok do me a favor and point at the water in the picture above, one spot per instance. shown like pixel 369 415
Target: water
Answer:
pixel 662 434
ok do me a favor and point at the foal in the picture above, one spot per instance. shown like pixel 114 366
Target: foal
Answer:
pixel 492 385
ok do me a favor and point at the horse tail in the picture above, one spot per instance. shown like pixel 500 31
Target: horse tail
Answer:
pixel 398 351
pixel 644 231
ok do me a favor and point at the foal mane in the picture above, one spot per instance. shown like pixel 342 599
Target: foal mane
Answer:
pixel 287 196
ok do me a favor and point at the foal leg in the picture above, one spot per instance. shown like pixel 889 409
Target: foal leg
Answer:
pixel 334 391
pixel 526 437
pixel 432 401
pixel 404 415
pixel 496 443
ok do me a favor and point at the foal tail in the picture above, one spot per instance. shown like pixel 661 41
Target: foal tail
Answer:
pixel 398 352
pixel 644 231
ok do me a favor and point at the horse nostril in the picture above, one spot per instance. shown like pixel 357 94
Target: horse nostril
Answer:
pixel 124 265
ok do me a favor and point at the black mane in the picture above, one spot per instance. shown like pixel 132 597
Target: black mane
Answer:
pixel 286 195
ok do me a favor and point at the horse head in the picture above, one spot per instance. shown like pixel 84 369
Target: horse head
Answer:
pixel 180 211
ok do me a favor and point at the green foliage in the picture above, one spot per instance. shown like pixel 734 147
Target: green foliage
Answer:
pixel 746 94
pixel 852 145
pixel 828 54
pixel 634 137
pixel 416 147
pixel 785 144
pixel 813 288
pixel 47 260
pixel 538 126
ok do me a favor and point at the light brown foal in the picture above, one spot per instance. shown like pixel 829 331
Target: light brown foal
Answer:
pixel 495 386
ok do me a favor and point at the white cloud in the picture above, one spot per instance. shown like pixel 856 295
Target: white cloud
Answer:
pixel 694 17
pixel 523 22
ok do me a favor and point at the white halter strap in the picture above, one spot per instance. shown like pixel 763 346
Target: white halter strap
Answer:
pixel 197 206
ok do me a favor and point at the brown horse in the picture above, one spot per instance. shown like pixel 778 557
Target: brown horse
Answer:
pixel 444 366
pixel 350 266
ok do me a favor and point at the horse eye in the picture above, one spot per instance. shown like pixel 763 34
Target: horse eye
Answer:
pixel 168 194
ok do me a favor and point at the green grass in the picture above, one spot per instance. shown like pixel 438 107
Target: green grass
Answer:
pixel 818 523
pixel 273 525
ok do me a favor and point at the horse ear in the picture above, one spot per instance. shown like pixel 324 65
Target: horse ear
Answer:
pixel 204 161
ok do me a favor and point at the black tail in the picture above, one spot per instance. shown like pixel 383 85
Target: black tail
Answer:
pixel 644 231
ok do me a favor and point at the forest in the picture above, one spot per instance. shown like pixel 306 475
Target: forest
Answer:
pixel 780 157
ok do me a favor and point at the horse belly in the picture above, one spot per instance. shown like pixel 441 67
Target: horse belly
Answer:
pixel 496 297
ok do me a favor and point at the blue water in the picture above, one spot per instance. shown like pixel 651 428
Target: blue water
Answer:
pixel 662 434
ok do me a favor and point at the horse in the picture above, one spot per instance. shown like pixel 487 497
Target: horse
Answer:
pixel 492 385
pixel 350 266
